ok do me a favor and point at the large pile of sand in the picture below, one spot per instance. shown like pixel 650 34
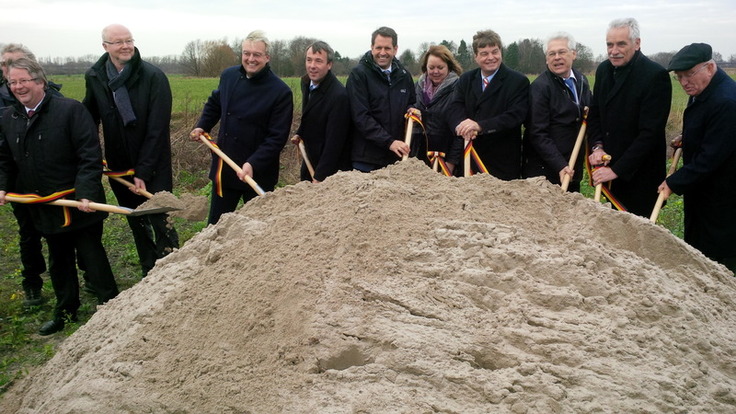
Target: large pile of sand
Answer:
pixel 405 291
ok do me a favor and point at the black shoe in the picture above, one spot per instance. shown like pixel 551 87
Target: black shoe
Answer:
pixel 33 298
pixel 50 327
pixel 89 289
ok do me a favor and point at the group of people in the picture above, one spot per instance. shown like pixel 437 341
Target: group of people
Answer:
pixel 50 150
pixel 49 145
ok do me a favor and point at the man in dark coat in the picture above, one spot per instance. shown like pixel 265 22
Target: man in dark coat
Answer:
pixel 325 123
pixel 489 107
pixel 628 115
pixel 556 101
pixel 49 146
pixel 707 178
pixel 132 100
pixel 29 243
pixel 381 91
pixel 254 108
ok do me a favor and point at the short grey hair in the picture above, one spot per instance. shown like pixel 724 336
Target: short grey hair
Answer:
pixel 559 36
pixel 319 46
pixel 18 48
pixel 259 36
pixel 628 22
pixel 34 69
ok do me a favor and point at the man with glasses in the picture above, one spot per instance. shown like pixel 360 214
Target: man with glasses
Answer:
pixel 557 98
pixel 49 147
pixel 132 100
pixel 708 175
pixel 31 254
pixel 628 115
pixel 254 108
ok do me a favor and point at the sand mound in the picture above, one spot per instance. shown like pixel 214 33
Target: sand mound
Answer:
pixel 405 291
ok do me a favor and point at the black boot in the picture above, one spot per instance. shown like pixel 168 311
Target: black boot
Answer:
pixel 33 298
pixel 56 324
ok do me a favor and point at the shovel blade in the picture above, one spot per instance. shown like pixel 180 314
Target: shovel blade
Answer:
pixel 156 210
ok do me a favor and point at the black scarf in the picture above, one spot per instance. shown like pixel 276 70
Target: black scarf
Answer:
pixel 120 92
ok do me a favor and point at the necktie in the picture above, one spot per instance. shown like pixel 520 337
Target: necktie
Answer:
pixel 485 83
pixel 30 113
pixel 388 74
pixel 312 87
pixel 571 85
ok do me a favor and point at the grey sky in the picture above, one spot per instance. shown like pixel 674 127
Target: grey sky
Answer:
pixel 53 28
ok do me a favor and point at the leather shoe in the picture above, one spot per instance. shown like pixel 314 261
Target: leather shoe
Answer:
pixel 50 327
pixel 33 298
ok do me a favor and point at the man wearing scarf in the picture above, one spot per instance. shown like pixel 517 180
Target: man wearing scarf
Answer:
pixel 132 100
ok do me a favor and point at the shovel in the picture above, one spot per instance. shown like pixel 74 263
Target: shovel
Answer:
pixel 96 206
pixel 303 150
pixel 251 182
pixel 128 184
pixel 660 199
pixel 576 149
pixel 599 187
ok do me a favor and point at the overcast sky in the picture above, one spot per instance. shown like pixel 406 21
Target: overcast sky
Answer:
pixel 55 28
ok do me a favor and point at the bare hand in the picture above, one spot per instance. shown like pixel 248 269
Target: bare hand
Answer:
pixel 399 148
pixel 603 175
pixel 247 170
pixel 676 142
pixel 196 132
pixel 2 198
pixel 596 157
pixel 665 189
pixel 85 206
pixel 140 185
pixel 566 171
pixel 414 111
pixel 468 129
pixel 296 139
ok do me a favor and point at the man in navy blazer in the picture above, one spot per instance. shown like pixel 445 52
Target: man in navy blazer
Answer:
pixel 490 104
pixel 254 108
pixel 628 115
pixel 325 123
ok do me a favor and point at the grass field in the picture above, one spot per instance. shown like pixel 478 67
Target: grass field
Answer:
pixel 21 349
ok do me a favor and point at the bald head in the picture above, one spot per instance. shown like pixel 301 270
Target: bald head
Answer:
pixel 118 43
pixel 114 30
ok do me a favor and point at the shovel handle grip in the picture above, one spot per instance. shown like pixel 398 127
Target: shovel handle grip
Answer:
pixel 303 150
pixel 128 184
pixel 407 136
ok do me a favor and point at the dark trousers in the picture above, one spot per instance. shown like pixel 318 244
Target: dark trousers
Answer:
pixel 153 235
pixel 228 202
pixel 31 255
pixel 87 244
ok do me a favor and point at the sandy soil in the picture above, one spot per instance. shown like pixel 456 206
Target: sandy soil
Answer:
pixel 402 291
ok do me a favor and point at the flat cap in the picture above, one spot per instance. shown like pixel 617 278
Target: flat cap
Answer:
pixel 690 56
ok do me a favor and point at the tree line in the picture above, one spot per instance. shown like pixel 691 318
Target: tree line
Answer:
pixel 208 58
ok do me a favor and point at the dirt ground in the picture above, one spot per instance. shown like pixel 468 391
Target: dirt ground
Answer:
pixel 403 291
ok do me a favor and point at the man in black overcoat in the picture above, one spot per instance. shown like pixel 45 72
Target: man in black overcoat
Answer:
pixel 628 115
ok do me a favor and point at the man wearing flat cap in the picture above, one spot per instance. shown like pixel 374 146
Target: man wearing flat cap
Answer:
pixel 707 178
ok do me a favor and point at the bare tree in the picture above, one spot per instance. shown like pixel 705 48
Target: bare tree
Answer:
pixel 192 57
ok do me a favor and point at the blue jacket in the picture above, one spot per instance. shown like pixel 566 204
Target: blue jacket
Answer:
pixel 255 120
pixel 378 107
pixel 707 178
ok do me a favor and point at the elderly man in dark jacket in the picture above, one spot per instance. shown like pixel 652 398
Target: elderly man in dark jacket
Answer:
pixel 49 145
pixel 628 115
pixel 489 107
pixel 325 123
pixel 557 99
pixel 708 176
pixel 132 100
pixel 254 108
pixel 381 90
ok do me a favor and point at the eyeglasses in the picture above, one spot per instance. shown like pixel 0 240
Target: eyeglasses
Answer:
pixel 119 43
pixel 22 82
pixel 561 52
pixel 680 76
pixel 256 55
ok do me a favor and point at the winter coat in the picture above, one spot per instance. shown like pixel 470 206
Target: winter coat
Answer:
pixel 440 137
pixel 628 115
pixel 325 126
pixel 56 149
pixel 552 126
pixel 378 108
pixel 255 120
pixel 500 110
pixel 145 144
pixel 707 178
